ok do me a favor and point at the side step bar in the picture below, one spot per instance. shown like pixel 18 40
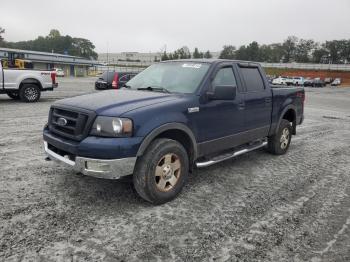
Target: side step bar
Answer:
pixel 229 156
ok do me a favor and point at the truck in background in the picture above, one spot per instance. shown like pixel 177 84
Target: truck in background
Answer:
pixel 26 85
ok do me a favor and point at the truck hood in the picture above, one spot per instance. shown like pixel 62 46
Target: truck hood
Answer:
pixel 116 102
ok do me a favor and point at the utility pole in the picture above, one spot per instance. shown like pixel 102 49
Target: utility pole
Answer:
pixel 107 60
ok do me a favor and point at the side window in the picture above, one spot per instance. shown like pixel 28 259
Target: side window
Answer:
pixel 252 79
pixel 225 77
pixel 124 78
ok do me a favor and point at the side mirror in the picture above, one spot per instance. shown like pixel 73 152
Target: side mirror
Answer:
pixel 222 92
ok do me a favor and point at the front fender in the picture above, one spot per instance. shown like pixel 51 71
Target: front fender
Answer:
pixel 165 127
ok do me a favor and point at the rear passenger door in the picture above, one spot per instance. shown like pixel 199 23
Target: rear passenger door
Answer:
pixel 257 102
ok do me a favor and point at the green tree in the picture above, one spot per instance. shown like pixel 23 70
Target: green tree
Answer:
pixel 165 56
pixel 54 33
pixel 339 50
pixel 253 52
pixel 84 48
pixel 1 32
pixel 241 53
pixel 303 50
pixel 228 52
pixel 181 53
pixel 55 42
pixel 276 54
pixel 345 51
pixel 289 46
pixel 208 54
pixel 196 53
pixel 319 54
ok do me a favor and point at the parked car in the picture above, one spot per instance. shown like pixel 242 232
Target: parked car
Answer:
pixel 59 72
pixel 26 85
pixel 280 80
pixel 336 82
pixel 170 118
pixel 270 78
pixel 318 82
pixel 328 80
pixel 308 82
pixel 113 80
pixel 298 81
pixel 295 81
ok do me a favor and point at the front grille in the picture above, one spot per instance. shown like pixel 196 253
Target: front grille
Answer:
pixel 76 124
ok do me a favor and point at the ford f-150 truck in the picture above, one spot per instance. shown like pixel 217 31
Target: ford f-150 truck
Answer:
pixel 26 85
pixel 172 117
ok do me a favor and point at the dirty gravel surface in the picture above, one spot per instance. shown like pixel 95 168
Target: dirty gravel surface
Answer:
pixel 257 207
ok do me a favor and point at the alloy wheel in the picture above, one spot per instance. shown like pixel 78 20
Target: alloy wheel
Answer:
pixel 168 172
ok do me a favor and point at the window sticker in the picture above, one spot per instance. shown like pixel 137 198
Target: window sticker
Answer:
pixel 197 66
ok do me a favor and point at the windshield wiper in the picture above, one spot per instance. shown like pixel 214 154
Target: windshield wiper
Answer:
pixel 155 88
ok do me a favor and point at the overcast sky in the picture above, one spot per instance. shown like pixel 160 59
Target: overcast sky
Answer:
pixel 148 25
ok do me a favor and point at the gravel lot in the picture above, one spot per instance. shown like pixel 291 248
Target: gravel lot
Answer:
pixel 257 207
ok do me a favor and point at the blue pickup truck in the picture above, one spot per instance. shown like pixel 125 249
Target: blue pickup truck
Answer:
pixel 171 118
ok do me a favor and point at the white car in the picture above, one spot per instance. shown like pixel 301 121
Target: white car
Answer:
pixel 59 72
pixel 298 81
pixel 26 85
pixel 280 81
pixel 336 82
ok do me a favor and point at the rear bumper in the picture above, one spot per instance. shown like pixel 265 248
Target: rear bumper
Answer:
pixel 50 88
pixel 100 168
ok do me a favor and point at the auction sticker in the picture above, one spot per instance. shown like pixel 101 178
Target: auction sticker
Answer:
pixel 192 65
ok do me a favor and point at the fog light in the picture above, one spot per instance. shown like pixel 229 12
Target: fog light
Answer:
pixel 97 166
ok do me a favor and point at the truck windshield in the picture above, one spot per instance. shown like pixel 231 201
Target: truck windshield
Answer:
pixel 177 77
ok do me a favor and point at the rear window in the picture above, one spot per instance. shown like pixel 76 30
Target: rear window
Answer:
pixel 252 79
pixel 108 76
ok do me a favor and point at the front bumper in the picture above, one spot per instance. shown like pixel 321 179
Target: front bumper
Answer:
pixel 100 168
pixel 101 85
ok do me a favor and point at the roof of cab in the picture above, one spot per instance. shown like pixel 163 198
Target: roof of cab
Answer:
pixel 213 61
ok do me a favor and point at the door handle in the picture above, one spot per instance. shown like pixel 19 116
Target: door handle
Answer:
pixel 268 100
pixel 241 105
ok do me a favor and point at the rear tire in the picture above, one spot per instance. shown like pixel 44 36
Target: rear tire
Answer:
pixel 29 93
pixel 14 95
pixel 278 144
pixel 161 172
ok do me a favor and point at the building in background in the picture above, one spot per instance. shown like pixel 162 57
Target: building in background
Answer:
pixel 71 65
pixel 136 57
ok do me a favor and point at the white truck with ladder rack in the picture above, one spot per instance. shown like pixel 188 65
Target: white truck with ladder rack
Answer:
pixel 26 85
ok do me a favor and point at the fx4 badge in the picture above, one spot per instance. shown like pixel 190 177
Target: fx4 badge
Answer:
pixel 193 109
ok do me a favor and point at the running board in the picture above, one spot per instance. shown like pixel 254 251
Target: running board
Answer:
pixel 229 156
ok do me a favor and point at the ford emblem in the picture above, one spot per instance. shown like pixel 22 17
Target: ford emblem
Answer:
pixel 62 121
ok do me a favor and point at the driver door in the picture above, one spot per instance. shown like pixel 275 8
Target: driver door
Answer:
pixel 220 121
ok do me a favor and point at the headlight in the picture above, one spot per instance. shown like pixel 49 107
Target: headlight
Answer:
pixel 111 127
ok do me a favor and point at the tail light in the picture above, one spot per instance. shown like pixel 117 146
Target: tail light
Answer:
pixel 115 81
pixel 53 77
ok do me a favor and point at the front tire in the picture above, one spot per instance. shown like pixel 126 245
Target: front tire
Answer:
pixel 29 93
pixel 161 172
pixel 278 144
